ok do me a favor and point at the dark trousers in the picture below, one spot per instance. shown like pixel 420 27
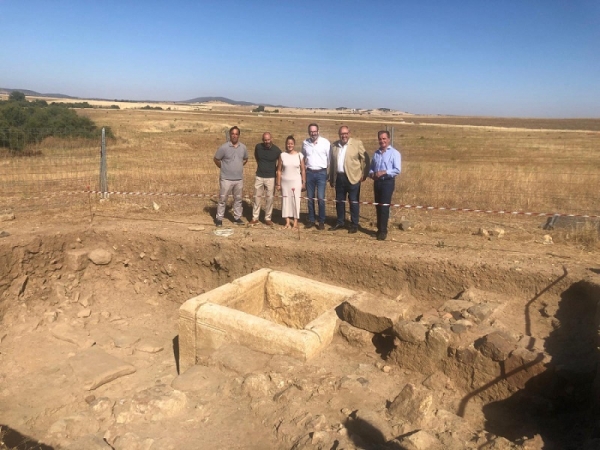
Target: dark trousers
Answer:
pixel 343 189
pixel 383 190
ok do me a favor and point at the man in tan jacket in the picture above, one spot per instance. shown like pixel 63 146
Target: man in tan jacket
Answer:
pixel 348 168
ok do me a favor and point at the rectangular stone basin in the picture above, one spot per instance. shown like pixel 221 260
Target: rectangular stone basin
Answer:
pixel 269 311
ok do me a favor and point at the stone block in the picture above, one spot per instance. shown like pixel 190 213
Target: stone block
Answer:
pixel 483 311
pixel 438 340
pixel 371 313
pixel 77 259
pixel 466 355
pixel 522 365
pixel 409 331
pixel 496 346
pixel 355 336
pixel 267 311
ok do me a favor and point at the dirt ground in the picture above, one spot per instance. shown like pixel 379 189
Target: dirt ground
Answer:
pixel 57 310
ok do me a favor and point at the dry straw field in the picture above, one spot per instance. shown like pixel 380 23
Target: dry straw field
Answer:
pixel 530 381
pixel 549 166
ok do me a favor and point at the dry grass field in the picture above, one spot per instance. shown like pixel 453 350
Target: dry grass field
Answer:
pixel 529 165
pixel 86 281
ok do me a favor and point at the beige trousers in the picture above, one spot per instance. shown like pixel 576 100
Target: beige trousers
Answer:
pixel 263 188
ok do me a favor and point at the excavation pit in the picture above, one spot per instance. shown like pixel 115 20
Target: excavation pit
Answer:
pixel 269 311
pixel 500 352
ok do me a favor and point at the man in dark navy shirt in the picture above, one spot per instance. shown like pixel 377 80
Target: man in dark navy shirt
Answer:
pixel 266 154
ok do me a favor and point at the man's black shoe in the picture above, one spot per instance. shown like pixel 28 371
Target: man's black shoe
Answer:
pixel 382 236
pixel 353 230
pixel 309 225
pixel 239 222
pixel 218 222
pixel 321 226
pixel 337 226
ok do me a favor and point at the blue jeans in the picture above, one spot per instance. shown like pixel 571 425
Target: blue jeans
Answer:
pixel 316 180
pixel 383 190
pixel 344 188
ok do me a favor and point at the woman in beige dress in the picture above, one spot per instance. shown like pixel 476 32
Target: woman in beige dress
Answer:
pixel 291 179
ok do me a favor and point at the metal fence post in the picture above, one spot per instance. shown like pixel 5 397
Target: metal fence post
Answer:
pixel 391 131
pixel 103 167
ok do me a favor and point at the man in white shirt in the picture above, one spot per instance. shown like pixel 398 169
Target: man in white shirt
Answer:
pixel 316 159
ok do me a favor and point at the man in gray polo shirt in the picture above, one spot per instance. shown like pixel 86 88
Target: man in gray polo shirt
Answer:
pixel 231 158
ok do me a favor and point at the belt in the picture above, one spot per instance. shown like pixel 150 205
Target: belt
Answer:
pixel 315 170
pixel 385 178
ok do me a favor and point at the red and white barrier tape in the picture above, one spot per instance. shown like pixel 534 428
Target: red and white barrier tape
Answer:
pixel 393 205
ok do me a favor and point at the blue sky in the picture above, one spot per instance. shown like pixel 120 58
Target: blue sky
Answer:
pixel 520 58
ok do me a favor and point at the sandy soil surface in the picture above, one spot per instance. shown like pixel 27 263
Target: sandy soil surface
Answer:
pixel 88 347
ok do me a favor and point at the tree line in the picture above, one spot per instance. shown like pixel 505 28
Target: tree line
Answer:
pixel 24 123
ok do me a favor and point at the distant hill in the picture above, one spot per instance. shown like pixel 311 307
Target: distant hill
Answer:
pixel 194 100
pixel 33 93
pixel 218 99
pixel 228 100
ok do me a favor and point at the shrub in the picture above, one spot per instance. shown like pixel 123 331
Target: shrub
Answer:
pixel 16 96
pixel 23 123
pixel 73 105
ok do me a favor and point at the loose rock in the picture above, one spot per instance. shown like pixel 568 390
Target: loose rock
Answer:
pixel 412 404
pixel 84 313
pixel 94 367
pixel 100 257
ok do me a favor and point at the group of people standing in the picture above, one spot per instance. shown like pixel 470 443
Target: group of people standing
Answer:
pixel 345 164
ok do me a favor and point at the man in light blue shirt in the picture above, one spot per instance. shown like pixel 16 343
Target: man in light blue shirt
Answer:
pixel 385 166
